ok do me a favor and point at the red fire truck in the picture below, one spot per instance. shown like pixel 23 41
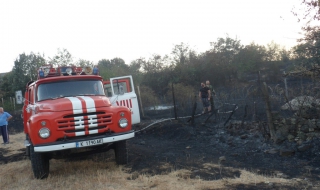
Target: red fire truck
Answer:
pixel 66 113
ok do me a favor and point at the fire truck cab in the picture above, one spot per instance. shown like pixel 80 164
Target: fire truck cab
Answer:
pixel 67 113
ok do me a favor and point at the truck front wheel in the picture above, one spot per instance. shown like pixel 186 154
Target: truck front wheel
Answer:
pixel 39 163
pixel 121 152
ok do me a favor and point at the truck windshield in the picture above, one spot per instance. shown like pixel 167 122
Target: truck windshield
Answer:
pixel 69 88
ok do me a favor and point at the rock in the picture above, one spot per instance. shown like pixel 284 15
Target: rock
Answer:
pixel 271 151
pixel 301 135
pixel 318 124
pixel 299 142
pixel 290 138
pixel 304 147
pixel 244 136
pixel 287 152
pixel 288 121
pixel 282 133
pixel 311 135
pixel 275 115
pixel 304 128
pixel 142 142
pixel 312 123
pixel 222 158
pixel 301 101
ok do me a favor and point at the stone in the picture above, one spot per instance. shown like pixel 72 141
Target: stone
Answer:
pixel 304 128
pixel 288 121
pixel 275 115
pixel 287 152
pixel 290 138
pixel 312 124
pixel 301 135
pixel 272 151
pixel 282 133
pixel 304 147
pixel 301 101
pixel 244 136
pixel 142 142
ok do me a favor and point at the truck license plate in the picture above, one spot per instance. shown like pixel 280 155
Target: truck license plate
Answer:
pixel 89 143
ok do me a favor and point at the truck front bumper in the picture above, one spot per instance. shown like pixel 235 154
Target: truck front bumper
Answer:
pixel 74 144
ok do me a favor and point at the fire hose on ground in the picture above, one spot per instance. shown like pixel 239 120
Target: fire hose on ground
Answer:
pixel 216 111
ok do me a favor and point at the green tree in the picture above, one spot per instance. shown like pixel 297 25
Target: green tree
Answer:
pixel 26 69
pixel 180 54
pixel 220 60
pixel 104 63
pixel 183 64
pixel 83 62
pixel 250 58
pixel 6 82
pixel 307 53
pixel 154 64
pixel 156 74
pixel 63 57
pixel 135 68
pixel 113 68
pixel 311 11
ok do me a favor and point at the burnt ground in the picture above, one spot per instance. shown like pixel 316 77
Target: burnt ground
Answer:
pixel 173 145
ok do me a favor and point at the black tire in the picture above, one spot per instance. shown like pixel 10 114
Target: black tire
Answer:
pixel 121 152
pixel 39 163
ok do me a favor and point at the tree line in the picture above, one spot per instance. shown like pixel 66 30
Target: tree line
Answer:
pixel 227 60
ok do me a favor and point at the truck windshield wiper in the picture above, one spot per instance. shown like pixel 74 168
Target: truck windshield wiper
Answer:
pixel 89 95
pixel 51 98
pixel 58 97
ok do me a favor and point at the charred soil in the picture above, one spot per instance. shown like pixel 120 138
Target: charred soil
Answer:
pixel 212 151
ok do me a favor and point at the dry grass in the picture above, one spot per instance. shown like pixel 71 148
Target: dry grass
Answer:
pixel 88 174
pixel 16 144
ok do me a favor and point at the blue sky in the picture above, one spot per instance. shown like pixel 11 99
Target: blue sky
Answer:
pixel 130 29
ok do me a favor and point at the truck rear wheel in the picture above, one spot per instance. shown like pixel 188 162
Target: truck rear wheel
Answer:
pixel 121 152
pixel 39 163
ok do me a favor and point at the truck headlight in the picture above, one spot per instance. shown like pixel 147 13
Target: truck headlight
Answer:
pixel 123 123
pixel 44 133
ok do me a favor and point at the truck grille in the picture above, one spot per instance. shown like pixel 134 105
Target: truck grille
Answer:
pixel 84 124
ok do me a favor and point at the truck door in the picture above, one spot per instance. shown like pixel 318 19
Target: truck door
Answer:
pixel 120 91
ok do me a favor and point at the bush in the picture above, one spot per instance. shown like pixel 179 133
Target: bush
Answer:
pixel 148 97
pixel 7 105
pixel 184 94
